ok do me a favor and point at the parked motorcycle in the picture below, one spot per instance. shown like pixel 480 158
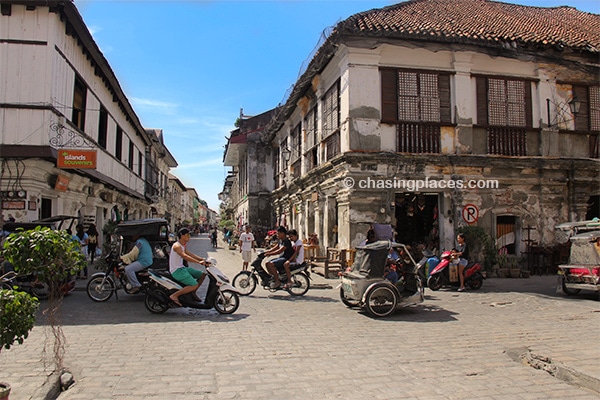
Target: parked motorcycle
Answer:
pixel 28 283
pixel 220 294
pixel 246 281
pixel 440 276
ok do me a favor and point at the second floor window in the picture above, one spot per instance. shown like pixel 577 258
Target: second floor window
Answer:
pixel 131 153
pixel 331 110
pixel 310 139
pixel 102 127
pixel 79 100
pixel 119 144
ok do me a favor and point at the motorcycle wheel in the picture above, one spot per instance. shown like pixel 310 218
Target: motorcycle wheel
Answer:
pixel 300 286
pixel 153 304
pixel 40 290
pixel 226 302
pixel 381 301
pixel 434 282
pixel 476 283
pixel 347 303
pixel 245 282
pixel 99 291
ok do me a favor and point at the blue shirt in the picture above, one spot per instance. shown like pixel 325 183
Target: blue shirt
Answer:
pixel 145 252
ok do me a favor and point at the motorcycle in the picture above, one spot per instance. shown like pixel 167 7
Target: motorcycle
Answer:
pixel 102 285
pixel 27 283
pixel 246 281
pixel 441 276
pixel 220 294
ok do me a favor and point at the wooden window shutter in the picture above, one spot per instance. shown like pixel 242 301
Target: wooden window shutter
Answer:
pixel 482 103
pixel 389 95
pixel 582 118
pixel 528 105
pixel 444 93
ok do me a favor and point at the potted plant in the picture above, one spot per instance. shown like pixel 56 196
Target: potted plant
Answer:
pixel 503 270
pixel 17 316
pixel 515 270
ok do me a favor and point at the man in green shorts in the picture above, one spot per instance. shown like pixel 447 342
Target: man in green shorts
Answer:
pixel 190 277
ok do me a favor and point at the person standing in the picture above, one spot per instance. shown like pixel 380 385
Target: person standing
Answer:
pixel 247 244
pixel 92 242
pixel 82 238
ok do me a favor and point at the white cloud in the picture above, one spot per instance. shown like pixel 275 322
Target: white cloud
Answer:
pixel 161 106
pixel 212 162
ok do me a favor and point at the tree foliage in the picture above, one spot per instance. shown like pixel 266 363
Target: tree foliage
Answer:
pixel 51 255
pixel 17 316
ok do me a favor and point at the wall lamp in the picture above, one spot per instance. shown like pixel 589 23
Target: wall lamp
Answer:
pixel 562 112
pixel 286 154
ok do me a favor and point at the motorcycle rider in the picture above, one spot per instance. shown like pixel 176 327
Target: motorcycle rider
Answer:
pixel 298 256
pixel 190 277
pixel 461 253
pixel 285 247
pixel 137 259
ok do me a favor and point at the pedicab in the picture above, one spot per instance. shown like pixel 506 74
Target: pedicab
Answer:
pixel 583 270
pixel 365 286
pixel 102 285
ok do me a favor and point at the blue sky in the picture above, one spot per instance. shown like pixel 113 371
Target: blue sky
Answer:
pixel 188 67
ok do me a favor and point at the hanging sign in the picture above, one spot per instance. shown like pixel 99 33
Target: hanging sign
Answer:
pixel 62 183
pixel 81 159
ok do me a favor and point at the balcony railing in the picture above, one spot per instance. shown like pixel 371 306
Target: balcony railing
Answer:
pixel 418 138
pixel 507 141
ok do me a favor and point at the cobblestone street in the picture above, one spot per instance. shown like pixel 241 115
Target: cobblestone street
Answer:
pixel 453 346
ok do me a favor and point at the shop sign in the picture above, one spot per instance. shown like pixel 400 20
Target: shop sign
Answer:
pixel 13 205
pixel 82 159
pixel 62 183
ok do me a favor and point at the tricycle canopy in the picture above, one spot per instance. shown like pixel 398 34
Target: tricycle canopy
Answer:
pixel 370 259
pixel 153 229
pixel 583 250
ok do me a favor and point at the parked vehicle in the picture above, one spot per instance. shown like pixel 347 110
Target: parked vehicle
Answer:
pixel 220 295
pixel 365 285
pixel 583 269
pixel 28 283
pixel 246 281
pixel 442 276
pixel 104 284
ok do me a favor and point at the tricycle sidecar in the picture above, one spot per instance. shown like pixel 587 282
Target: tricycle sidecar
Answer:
pixel 155 230
pixel 366 286
pixel 583 270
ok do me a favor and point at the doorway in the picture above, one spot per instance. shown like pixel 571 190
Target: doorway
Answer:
pixel 417 219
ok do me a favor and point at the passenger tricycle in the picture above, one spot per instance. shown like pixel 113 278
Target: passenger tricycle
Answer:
pixel 102 285
pixel 583 270
pixel 366 286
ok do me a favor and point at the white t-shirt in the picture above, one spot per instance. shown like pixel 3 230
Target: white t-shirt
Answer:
pixel 300 256
pixel 246 239
pixel 175 260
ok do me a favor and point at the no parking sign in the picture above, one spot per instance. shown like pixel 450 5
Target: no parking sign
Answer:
pixel 470 213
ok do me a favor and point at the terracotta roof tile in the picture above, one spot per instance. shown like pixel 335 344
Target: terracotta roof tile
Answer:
pixel 482 21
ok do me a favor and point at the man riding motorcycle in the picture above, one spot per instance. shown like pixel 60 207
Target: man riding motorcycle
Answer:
pixel 285 247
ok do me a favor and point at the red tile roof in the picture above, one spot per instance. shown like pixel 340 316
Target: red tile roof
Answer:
pixel 480 22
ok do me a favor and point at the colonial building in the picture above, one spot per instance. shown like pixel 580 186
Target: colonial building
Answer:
pixel 70 141
pixel 433 114
pixel 247 190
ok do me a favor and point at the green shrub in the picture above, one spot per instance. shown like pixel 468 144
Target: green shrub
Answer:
pixel 17 316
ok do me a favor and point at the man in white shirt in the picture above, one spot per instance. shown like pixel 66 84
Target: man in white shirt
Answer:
pixel 298 257
pixel 246 246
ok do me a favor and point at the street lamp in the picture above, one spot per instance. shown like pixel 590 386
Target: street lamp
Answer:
pixel 285 154
pixel 561 110
pixel 575 105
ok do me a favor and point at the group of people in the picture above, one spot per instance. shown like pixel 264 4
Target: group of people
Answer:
pixel 88 243
pixel 289 249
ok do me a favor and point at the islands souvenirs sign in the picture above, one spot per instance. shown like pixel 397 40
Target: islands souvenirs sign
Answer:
pixel 80 159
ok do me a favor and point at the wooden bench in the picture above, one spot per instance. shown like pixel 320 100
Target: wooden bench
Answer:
pixel 331 264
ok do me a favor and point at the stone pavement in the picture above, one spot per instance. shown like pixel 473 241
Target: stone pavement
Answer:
pixel 454 346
